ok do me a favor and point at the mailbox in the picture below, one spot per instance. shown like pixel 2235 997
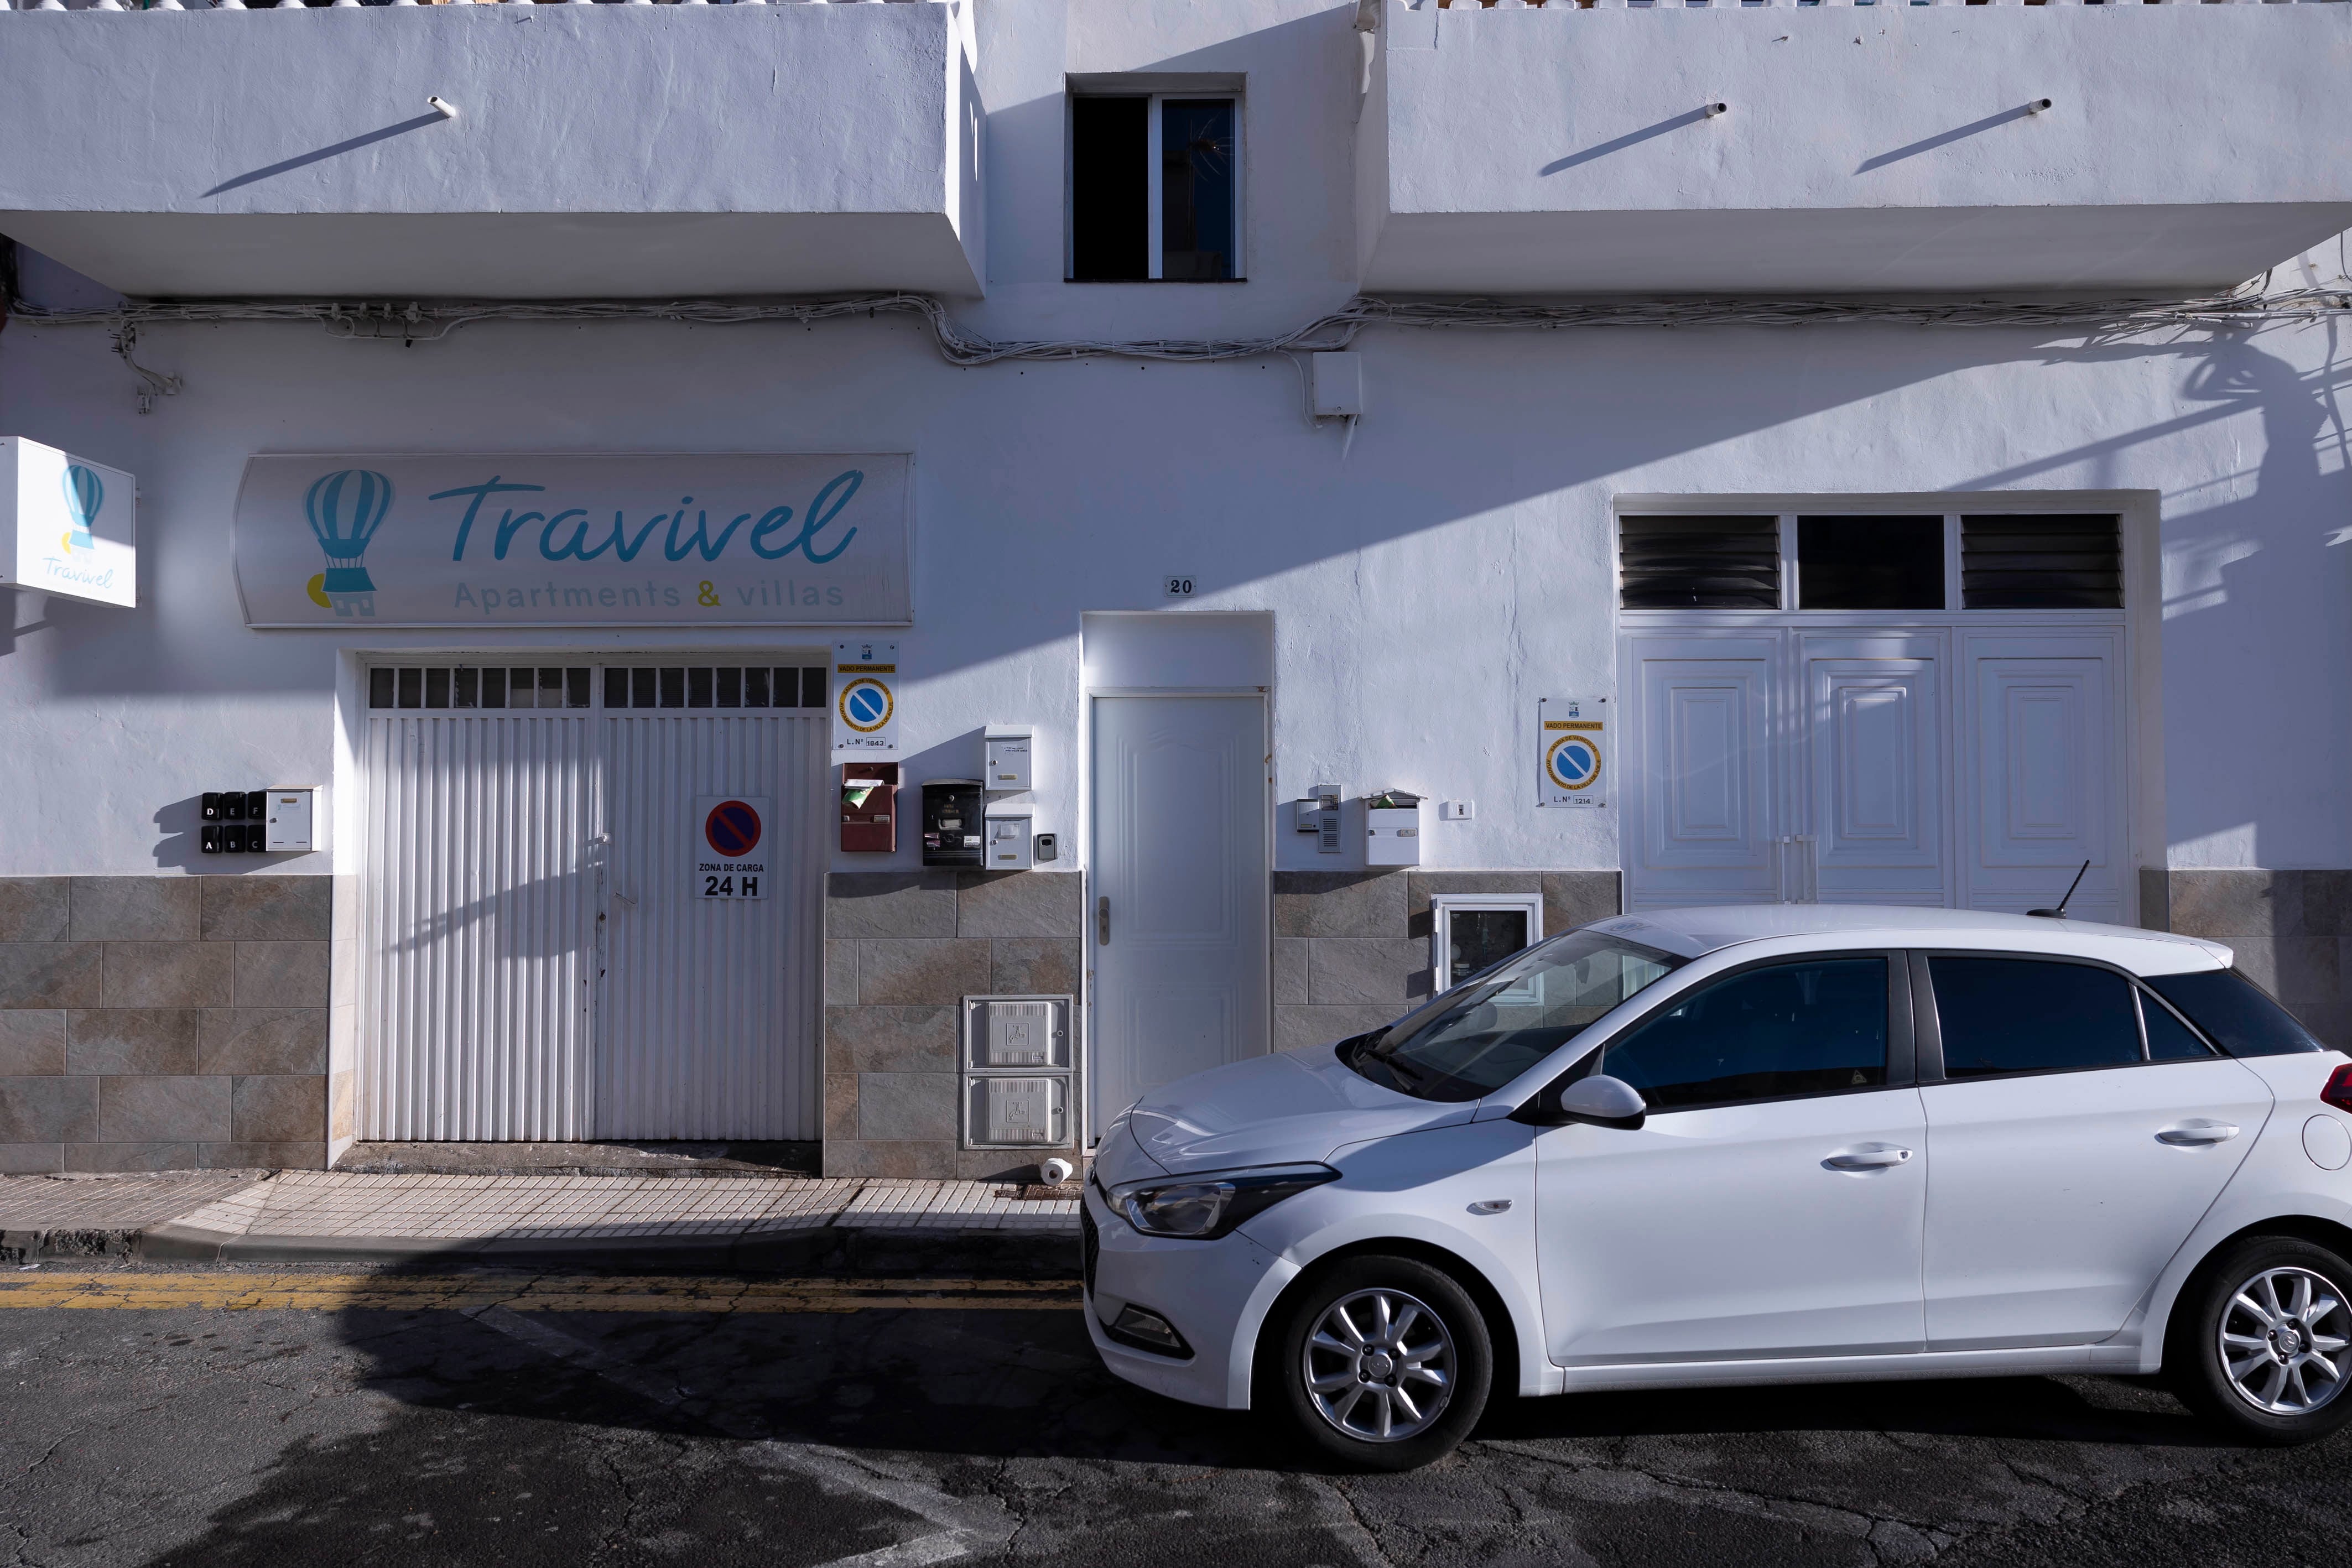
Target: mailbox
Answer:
pixel 1006 842
pixel 1008 749
pixel 869 812
pixel 952 825
pixel 1392 829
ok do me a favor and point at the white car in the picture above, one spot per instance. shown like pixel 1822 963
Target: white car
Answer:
pixel 1740 1146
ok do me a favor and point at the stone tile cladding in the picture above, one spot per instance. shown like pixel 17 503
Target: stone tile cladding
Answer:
pixel 902 951
pixel 162 1022
pixel 1351 948
pixel 2292 932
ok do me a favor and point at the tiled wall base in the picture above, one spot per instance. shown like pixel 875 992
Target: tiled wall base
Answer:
pixel 162 1022
pixel 2291 930
pixel 1351 948
pixel 902 951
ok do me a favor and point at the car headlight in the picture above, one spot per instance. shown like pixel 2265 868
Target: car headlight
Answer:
pixel 1205 1207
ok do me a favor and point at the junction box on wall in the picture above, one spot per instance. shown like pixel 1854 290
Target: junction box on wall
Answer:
pixel 1016 1072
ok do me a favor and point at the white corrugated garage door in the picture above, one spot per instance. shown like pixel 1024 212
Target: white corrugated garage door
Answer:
pixel 537 961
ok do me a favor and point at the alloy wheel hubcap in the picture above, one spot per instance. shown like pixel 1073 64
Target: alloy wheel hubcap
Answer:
pixel 1379 1365
pixel 2286 1342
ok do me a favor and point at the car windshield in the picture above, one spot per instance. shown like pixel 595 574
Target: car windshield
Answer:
pixel 1477 1037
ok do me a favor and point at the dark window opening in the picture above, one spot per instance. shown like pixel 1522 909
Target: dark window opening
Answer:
pixel 1870 563
pixel 1476 939
pixel 1110 210
pixel 1196 190
pixel 2041 561
pixel 1700 563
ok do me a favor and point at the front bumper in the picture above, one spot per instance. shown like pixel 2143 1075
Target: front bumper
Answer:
pixel 1215 1294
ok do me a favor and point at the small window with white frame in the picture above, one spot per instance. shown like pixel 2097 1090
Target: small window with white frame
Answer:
pixel 1470 932
pixel 1155 186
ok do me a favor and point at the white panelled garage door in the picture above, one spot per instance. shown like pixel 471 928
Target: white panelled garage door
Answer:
pixel 538 962
pixel 1921 709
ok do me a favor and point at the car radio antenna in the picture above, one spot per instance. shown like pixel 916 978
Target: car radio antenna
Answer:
pixel 2060 913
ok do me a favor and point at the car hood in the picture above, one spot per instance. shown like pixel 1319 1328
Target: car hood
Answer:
pixel 1271 1109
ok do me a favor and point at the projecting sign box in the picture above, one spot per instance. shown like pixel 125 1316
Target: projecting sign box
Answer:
pixel 66 524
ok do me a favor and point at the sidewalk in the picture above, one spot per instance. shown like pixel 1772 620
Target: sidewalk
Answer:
pixel 708 1223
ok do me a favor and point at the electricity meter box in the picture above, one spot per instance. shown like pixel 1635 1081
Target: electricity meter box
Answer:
pixel 1008 749
pixel 1007 843
pixel 870 813
pixel 1017 1079
pixel 952 822
pixel 1392 829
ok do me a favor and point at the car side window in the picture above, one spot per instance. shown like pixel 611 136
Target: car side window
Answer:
pixel 2000 1016
pixel 2170 1040
pixel 1811 1028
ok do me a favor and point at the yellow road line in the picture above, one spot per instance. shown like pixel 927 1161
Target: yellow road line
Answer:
pixel 546 1293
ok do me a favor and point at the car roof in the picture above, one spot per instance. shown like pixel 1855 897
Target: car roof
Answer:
pixel 1694 932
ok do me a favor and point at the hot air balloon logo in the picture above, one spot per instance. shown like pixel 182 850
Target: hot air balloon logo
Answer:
pixel 345 509
pixel 85 493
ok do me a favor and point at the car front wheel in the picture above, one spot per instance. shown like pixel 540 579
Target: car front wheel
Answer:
pixel 1383 1363
pixel 2261 1342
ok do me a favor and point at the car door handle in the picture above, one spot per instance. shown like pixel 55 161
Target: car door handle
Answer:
pixel 1877 1157
pixel 2189 1134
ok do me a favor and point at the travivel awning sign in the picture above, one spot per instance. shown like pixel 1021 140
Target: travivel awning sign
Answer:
pixel 67 525
pixel 738 539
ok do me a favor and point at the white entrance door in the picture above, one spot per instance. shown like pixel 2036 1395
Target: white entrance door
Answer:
pixel 1960 768
pixel 705 1025
pixel 478 900
pixel 1179 936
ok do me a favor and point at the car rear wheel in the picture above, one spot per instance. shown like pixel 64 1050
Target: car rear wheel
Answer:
pixel 2261 1342
pixel 1383 1363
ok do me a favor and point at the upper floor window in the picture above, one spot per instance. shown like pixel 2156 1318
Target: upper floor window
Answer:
pixel 1155 188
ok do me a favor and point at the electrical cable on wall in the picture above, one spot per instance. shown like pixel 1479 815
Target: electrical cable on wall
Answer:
pixel 421 321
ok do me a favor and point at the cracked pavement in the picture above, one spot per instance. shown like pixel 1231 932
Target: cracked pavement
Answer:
pixel 791 1440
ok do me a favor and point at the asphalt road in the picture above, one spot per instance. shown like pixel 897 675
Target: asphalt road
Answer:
pixel 803 1433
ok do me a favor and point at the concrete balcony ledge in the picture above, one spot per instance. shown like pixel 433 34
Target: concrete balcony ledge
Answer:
pixel 600 151
pixel 1888 148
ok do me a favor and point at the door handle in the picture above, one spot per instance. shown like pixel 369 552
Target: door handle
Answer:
pixel 1876 1157
pixel 2188 1134
pixel 1102 920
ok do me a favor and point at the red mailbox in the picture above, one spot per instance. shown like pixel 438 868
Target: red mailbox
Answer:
pixel 869 812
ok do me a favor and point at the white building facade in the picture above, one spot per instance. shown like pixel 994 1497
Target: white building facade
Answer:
pixel 1766 452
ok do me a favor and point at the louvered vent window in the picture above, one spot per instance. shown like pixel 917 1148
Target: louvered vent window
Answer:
pixel 721 685
pixel 1700 563
pixel 2046 560
pixel 479 686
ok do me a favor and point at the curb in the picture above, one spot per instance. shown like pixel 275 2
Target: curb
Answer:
pixel 827 1248
pixel 24 1245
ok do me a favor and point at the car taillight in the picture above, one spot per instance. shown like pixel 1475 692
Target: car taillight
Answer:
pixel 2338 1092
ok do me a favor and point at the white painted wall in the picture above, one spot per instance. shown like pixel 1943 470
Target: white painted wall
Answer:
pixel 1427 586
pixel 622 149
pixel 1885 149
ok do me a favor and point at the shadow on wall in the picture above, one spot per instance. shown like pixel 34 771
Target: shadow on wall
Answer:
pixel 2250 586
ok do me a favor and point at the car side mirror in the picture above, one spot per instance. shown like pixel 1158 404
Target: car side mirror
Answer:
pixel 1603 1101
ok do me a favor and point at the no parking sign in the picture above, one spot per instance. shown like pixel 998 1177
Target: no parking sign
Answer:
pixel 731 846
pixel 865 698
pixel 1571 750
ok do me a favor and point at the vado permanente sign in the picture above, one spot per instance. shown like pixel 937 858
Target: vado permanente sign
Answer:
pixel 66 524
pixel 539 539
